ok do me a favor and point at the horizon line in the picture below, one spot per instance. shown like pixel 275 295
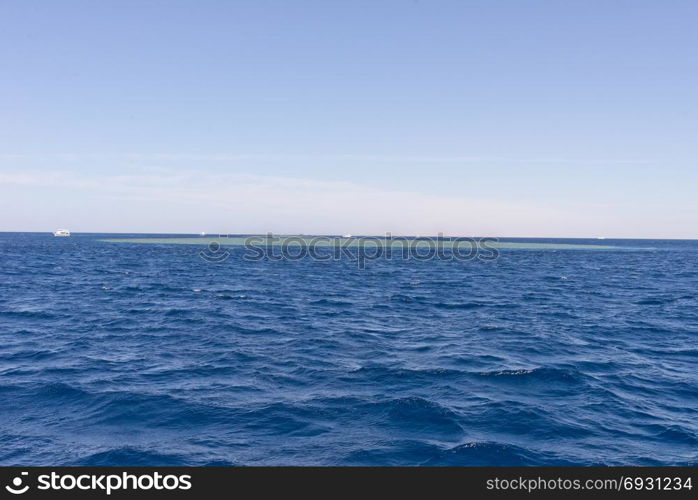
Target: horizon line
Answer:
pixel 215 234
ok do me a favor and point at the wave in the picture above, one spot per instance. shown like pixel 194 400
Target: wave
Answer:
pixel 494 454
pixel 130 457
pixel 289 362
pixel 331 303
pixel 536 375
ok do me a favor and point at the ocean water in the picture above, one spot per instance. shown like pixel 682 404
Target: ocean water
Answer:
pixel 133 354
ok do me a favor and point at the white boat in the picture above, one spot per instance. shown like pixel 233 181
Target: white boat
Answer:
pixel 61 233
pixel 346 235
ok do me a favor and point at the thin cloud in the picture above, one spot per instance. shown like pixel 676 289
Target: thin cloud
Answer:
pixel 261 157
pixel 251 203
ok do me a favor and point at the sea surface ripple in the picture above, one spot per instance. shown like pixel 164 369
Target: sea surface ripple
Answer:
pixel 127 354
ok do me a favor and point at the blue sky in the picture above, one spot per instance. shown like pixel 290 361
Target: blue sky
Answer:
pixel 540 118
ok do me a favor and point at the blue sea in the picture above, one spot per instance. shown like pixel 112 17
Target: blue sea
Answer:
pixel 146 354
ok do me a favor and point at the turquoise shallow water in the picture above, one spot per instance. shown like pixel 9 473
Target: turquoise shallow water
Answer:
pixel 368 242
pixel 132 354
